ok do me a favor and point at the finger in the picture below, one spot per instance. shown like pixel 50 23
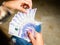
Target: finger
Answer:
pixel 10 4
pixel 22 9
pixel 31 37
pixel 25 6
pixel 39 38
pixel 37 35
pixel 29 3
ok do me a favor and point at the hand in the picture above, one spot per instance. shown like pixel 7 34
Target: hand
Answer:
pixel 16 4
pixel 37 40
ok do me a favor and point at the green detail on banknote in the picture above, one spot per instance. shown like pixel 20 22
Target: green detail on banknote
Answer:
pixel 16 29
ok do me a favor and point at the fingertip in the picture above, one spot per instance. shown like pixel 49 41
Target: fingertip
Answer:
pixel 30 35
pixel 28 32
pixel 22 10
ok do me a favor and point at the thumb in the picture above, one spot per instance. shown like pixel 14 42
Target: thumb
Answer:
pixel 22 9
pixel 31 37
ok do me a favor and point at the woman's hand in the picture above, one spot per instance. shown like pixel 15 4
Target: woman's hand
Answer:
pixel 37 40
pixel 17 4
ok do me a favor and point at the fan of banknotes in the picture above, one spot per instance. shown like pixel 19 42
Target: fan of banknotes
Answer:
pixel 23 22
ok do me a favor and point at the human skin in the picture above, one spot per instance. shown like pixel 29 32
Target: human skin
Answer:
pixel 37 40
pixel 16 4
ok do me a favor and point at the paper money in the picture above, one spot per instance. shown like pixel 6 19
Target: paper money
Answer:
pixel 23 22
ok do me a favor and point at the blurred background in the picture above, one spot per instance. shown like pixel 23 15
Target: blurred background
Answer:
pixel 48 12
